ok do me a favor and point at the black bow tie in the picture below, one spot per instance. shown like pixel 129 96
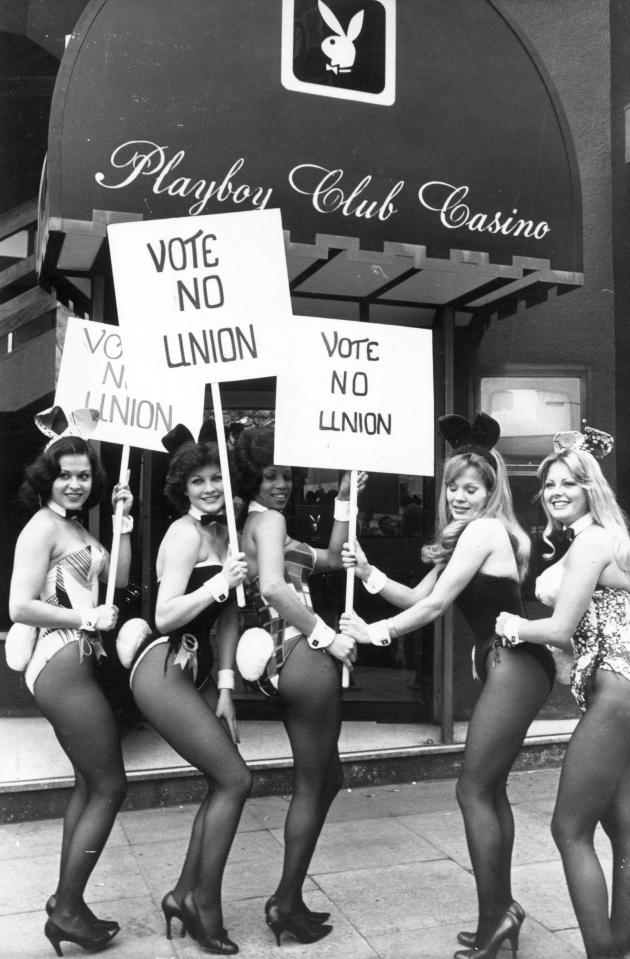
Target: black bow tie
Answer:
pixel 568 534
pixel 207 519
pixel 74 514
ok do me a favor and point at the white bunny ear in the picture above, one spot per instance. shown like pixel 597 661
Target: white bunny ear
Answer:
pixel 355 25
pixel 54 423
pixel 330 18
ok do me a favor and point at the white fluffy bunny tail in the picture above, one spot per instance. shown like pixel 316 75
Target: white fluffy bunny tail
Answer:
pixel 130 636
pixel 255 647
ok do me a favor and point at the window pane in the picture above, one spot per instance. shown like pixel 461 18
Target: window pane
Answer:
pixel 531 409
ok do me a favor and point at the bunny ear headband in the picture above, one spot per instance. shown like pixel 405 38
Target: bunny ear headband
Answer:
pixel 180 434
pixel 55 424
pixel 477 437
pixel 595 442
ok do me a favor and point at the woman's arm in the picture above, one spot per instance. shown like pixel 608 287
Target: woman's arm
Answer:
pixel 227 638
pixel 179 554
pixel 395 593
pixel 476 543
pixel 121 492
pixel 330 558
pixel 269 537
pixel 34 553
pixel 586 559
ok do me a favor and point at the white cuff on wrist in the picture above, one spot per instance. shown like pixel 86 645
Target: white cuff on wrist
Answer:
pixel 375 581
pixel 218 587
pixel 510 630
pixel 342 510
pixel 225 679
pixel 88 620
pixel 126 523
pixel 379 633
pixel 322 636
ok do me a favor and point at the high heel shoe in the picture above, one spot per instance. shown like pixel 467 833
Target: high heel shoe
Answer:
pixel 218 944
pixel 172 910
pixel 508 928
pixel 468 939
pixel 93 941
pixel 297 924
pixel 105 923
pixel 317 917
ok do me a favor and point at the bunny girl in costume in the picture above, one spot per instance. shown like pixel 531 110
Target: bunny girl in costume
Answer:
pixel 589 590
pixel 480 558
pixel 304 670
pixel 54 587
pixel 171 677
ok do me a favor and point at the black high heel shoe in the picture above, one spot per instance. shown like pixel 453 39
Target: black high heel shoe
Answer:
pixel 172 910
pixel 468 939
pixel 93 941
pixel 219 944
pixel 297 924
pixel 105 923
pixel 508 928
pixel 317 917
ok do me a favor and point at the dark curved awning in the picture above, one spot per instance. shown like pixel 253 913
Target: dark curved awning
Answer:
pixel 437 169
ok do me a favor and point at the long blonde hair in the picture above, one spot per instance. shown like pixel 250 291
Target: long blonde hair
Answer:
pixel 601 500
pixel 498 506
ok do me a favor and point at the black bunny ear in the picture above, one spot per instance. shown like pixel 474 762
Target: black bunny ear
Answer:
pixel 455 429
pixel 485 431
pixel 208 431
pixel 176 437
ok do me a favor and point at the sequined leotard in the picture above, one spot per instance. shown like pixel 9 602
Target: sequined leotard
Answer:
pixel 70 584
pixel 602 637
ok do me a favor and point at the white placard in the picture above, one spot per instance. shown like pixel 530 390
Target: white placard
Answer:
pixel 93 374
pixel 201 299
pixel 356 396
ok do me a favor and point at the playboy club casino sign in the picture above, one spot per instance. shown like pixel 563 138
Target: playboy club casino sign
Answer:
pixel 386 120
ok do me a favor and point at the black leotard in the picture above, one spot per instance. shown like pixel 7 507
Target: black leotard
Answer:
pixel 480 602
pixel 199 627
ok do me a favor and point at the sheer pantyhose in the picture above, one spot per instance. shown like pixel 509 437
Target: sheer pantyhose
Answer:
pixel 310 690
pixel 187 721
pixel 515 689
pixel 69 697
pixel 595 787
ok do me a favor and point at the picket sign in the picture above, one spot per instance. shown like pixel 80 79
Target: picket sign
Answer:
pixel 191 314
pixel 93 375
pixel 113 557
pixel 341 403
pixel 227 485
pixel 352 534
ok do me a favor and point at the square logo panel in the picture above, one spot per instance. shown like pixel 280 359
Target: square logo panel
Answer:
pixel 340 48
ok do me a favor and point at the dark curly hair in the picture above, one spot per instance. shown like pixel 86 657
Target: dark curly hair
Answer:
pixel 254 453
pixel 187 459
pixel 40 475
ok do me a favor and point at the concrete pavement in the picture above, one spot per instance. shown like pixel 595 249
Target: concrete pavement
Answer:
pixel 391 867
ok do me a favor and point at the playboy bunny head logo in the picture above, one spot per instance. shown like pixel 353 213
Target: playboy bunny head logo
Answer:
pixel 340 48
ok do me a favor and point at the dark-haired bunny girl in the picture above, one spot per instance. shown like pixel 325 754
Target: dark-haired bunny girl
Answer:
pixel 480 558
pixel 172 684
pixel 305 666
pixel 54 587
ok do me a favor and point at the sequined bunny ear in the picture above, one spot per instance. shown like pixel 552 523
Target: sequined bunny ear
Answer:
pixel 596 442
pixel 56 425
